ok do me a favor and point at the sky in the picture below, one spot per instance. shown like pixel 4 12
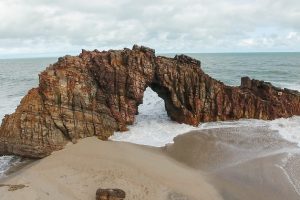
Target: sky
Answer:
pixel 37 28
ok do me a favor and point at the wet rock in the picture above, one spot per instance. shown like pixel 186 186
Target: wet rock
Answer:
pixel 98 92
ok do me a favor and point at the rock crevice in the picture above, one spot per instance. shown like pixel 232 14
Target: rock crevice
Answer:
pixel 97 93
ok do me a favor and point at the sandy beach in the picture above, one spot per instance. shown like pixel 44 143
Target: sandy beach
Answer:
pixel 150 100
pixel 77 171
pixel 244 163
pixel 226 163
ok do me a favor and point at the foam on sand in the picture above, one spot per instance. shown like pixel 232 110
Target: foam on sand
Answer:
pixel 7 162
pixel 288 128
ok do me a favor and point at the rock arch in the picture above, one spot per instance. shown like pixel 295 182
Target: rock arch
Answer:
pixel 97 93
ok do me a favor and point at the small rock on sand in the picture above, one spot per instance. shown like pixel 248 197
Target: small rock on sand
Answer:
pixel 110 194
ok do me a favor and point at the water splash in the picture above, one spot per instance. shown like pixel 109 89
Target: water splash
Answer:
pixel 153 126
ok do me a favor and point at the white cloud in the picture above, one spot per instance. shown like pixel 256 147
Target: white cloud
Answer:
pixel 288 41
pixel 293 36
pixel 54 27
pixel 247 42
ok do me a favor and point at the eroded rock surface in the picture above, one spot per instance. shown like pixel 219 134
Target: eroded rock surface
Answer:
pixel 97 93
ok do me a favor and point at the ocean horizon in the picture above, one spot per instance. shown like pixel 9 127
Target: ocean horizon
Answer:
pixel 33 56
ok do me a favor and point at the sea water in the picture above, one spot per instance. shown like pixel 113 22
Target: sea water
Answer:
pixel 153 126
pixel 17 76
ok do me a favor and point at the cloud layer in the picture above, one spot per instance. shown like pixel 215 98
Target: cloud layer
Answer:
pixel 53 27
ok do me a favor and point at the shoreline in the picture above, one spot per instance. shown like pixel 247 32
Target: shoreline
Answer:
pixel 18 167
pixel 243 163
pixel 226 163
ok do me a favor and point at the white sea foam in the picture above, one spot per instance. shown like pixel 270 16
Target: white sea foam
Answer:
pixel 153 127
pixel 289 128
pixel 288 170
pixel 6 162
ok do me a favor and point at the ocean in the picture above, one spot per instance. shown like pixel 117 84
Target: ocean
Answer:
pixel 152 126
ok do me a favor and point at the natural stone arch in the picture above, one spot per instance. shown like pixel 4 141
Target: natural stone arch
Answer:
pixel 97 93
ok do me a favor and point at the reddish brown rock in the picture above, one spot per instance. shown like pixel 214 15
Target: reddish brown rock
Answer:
pixel 97 93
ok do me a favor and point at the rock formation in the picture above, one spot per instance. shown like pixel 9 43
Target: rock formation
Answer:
pixel 97 93
pixel 110 194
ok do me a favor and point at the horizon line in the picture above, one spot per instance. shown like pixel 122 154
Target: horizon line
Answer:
pixel 156 53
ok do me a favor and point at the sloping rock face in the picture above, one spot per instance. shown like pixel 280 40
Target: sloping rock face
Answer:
pixel 97 93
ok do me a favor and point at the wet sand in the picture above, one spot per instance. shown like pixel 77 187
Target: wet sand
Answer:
pixel 243 163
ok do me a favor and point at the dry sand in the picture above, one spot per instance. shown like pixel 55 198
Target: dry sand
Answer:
pixel 77 171
pixel 226 163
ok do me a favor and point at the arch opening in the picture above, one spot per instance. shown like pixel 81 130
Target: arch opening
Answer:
pixel 152 125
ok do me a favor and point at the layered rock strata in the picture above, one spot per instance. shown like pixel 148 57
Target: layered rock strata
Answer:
pixel 97 93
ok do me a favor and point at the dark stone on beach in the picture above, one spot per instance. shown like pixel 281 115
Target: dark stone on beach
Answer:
pixel 98 92
pixel 12 188
pixel 110 194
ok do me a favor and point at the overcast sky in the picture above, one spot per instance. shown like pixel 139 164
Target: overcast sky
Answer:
pixel 58 27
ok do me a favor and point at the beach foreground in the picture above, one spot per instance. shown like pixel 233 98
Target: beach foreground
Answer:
pixel 240 163
pixel 79 170
pixel 244 163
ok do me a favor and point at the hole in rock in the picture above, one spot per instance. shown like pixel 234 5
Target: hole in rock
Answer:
pixel 153 107
pixel 152 125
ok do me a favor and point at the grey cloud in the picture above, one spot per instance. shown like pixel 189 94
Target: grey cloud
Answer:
pixel 54 26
